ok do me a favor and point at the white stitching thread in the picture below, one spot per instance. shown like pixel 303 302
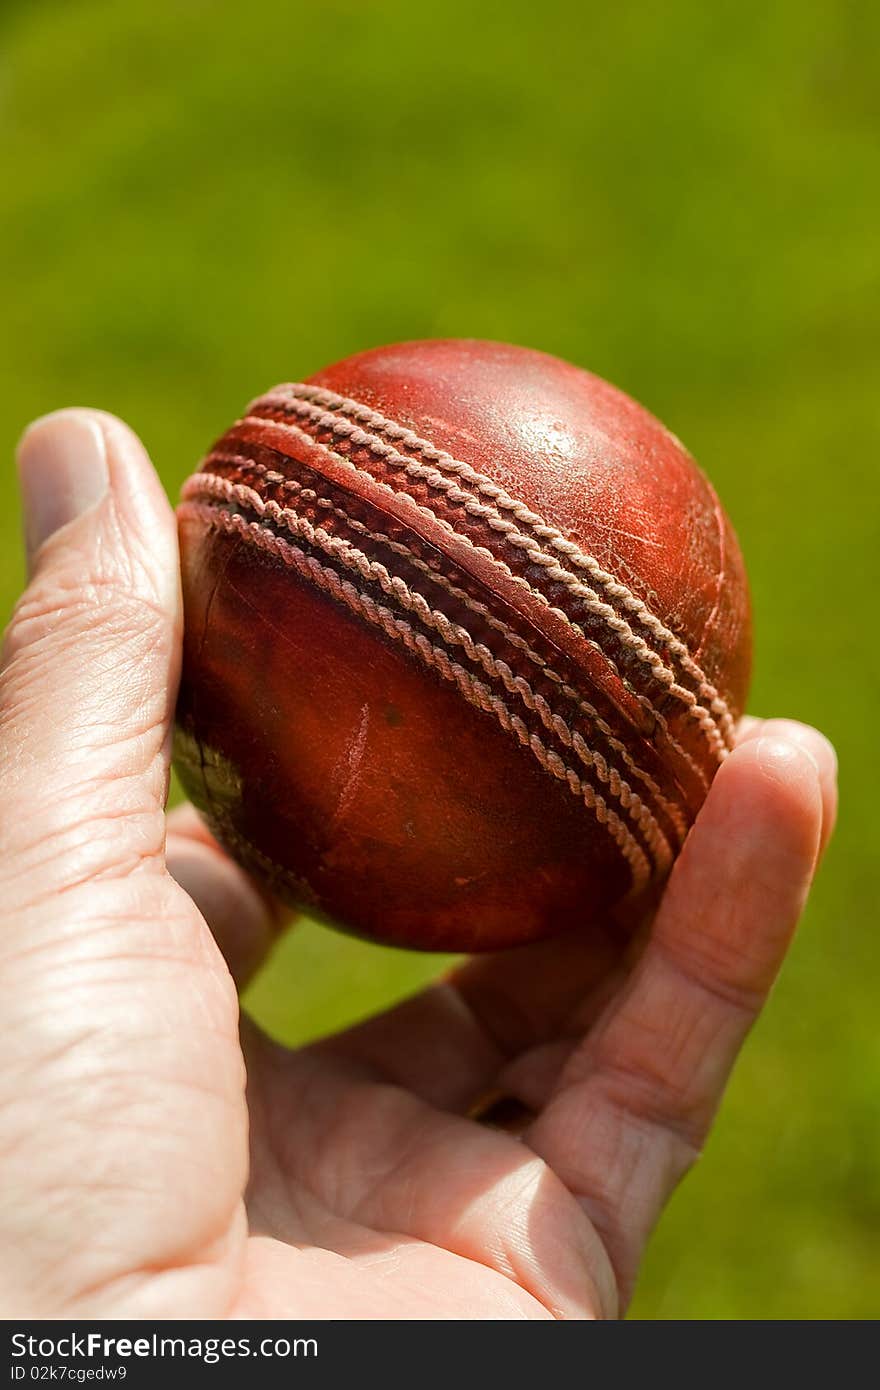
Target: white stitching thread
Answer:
pixel 637 646
pixel 646 703
pixel 301 394
pixel 336 548
pixel 537 524
pixel 394 586
pixel 472 689
pixel 289 487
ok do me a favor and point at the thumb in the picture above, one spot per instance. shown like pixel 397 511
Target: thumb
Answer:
pixel 122 1118
pixel 89 666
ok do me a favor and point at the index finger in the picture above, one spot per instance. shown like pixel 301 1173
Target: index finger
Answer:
pixel 635 1101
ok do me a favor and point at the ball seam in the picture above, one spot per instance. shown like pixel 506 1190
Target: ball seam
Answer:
pixel 472 689
pixel 289 487
pixel 655 714
pixel 301 396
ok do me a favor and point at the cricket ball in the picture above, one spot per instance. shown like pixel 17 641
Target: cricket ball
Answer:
pixel 466 639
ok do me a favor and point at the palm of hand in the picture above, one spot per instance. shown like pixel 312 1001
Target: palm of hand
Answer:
pixel 361 1147
pixel 376 1204
pixel 371 1194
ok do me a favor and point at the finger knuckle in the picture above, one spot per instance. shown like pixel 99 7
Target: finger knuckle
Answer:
pixel 66 609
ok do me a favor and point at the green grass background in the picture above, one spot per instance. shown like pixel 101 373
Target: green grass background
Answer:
pixel 198 199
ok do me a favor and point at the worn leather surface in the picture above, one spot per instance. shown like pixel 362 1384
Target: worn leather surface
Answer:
pixel 352 593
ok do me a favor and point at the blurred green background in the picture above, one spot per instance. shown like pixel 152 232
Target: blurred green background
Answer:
pixel 199 199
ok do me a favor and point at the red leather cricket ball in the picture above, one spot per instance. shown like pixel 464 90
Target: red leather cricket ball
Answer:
pixel 466 639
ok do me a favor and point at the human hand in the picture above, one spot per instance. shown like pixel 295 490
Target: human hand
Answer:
pixel 138 1177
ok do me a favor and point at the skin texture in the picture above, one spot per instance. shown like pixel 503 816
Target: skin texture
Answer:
pixel 155 1162
pixel 467 634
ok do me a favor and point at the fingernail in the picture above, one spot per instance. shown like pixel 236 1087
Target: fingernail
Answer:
pixel 779 756
pixel 805 748
pixel 62 469
pixel 817 747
